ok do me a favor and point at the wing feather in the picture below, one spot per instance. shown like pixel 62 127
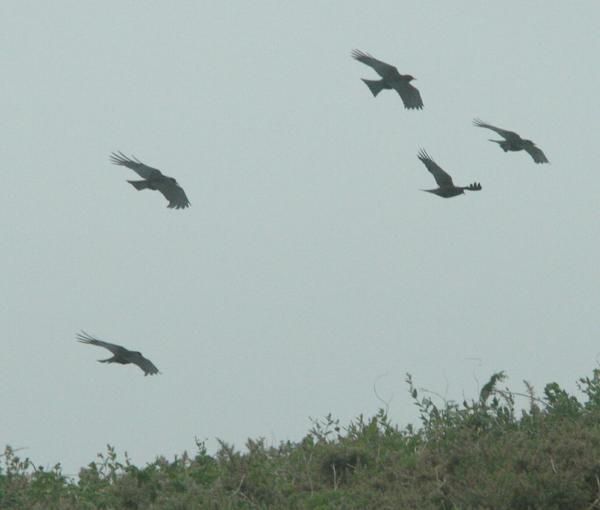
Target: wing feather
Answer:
pixel 411 97
pixel 440 176
pixel 174 194
pixel 381 68
pixel 537 154
pixel 86 338
pixel 507 135
pixel 146 365
pixel 145 171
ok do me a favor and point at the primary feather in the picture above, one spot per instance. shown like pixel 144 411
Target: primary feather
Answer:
pixel 442 178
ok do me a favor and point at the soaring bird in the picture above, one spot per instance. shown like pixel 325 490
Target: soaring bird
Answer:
pixel 153 179
pixel 120 354
pixel 446 188
pixel 390 79
pixel 513 142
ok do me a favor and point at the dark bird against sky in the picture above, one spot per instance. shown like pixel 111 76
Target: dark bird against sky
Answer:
pixel 513 142
pixel 446 188
pixel 120 354
pixel 390 79
pixel 153 179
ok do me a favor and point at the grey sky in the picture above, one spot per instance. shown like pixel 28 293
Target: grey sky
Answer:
pixel 309 263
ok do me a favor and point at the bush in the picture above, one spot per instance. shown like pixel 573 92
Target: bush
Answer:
pixel 480 454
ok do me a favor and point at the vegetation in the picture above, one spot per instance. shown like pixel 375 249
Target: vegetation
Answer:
pixel 480 454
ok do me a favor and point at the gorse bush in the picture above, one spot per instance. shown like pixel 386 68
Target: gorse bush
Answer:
pixel 480 454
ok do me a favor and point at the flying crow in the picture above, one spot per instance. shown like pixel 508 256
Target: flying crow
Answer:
pixel 153 179
pixel 120 354
pixel 390 79
pixel 513 142
pixel 446 188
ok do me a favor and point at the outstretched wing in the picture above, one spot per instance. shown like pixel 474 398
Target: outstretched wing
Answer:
pixel 411 97
pixel 146 365
pixel 145 171
pixel 173 193
pixel 86 338
pixel 536 153
pixel 507 135
pixel 441 177
pixel 381 68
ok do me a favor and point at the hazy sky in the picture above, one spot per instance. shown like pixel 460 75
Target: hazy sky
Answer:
pixel 309 263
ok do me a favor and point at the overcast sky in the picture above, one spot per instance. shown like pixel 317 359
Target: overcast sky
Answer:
pixel 309 263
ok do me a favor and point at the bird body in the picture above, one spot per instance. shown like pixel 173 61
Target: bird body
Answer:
pixel 390 79
pixel 120 354
pixel 154 179
pixel 513 142
pixel 447 188
pixel 447 192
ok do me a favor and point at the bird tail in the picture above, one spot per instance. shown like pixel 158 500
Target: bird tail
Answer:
pixel 501 143
pixel 375 86
pixel 139 185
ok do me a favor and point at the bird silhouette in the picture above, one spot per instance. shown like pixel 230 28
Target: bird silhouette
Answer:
pixel 446 188
pixel 390 79
pixel 120 354
pixel 153 179
pixel 513 142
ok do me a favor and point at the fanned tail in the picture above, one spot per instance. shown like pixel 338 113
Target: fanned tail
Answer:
pixel 375 86
pixel 502 143
pixel 139 185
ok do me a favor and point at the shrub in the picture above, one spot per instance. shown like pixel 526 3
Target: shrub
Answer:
pixel 480 454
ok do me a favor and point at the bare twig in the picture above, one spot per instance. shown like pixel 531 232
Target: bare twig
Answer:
pixel 386 403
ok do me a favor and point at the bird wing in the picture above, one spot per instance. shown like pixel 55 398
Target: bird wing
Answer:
pixel 145 171
pixel 536 153
pixel 440 176
pixel 173 193
pixel 381 68
pixel 507 135
pixel 86 338
pixel 411 97
pixel 146 365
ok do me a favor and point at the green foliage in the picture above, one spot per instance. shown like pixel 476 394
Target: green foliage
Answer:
pixel 483 453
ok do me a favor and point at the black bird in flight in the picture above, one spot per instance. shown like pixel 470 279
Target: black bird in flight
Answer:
pixel 513 142
pixel 153 179
pixel 446 188
pixel 390 79
pixel 120 354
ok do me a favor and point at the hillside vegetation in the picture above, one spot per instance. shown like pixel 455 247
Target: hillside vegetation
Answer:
pixel 478 454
